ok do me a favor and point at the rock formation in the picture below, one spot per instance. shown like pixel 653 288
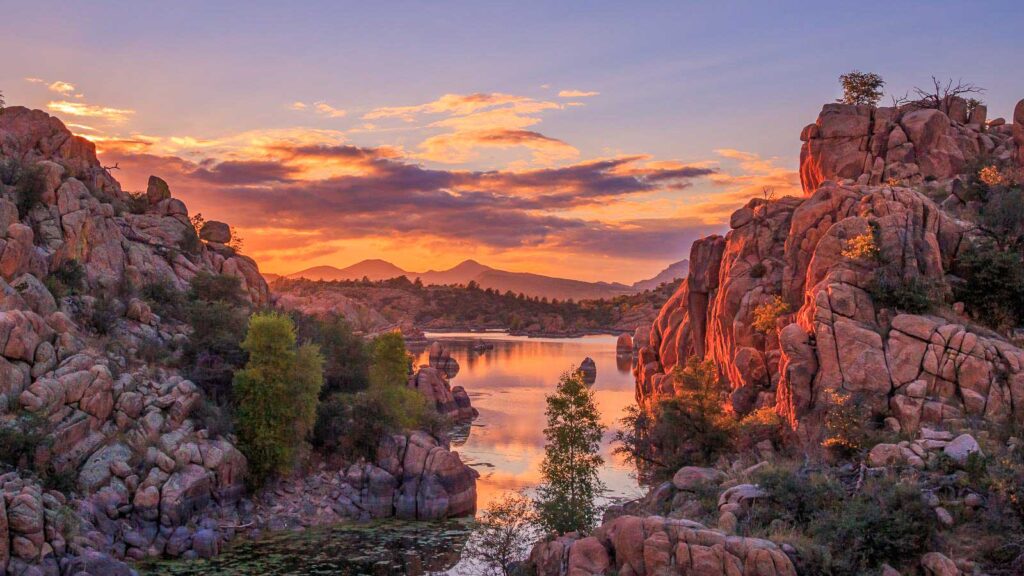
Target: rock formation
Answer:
pixel 588 371
pixel 433 381
pixel 655 545
pixel 906 144
pixel 143 477
pixel 892 174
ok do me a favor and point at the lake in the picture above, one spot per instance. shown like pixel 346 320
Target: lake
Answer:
pixel 508 385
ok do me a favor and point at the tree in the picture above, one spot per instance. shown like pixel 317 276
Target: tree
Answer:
pixel 504 533
pixel 389 361
pixel 565 501
pixel 690 429
pixel 276 394
pixel 861 88
pixel 3 103
pixel 346 354
pixel 939 93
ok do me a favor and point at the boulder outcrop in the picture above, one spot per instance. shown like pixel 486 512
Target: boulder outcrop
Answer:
pixel 652 545
pixel 907 144
pixel 829 333
pixel 145 474
pixel 434 382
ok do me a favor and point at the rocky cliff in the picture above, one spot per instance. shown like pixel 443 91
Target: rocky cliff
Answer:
pixel 121 469
pixel 896 177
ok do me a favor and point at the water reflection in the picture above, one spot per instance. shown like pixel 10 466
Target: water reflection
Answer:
pixel 505 444
pixel 508 385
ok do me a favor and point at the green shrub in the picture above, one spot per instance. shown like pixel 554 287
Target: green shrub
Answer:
pixel 217 419
pixel 847 424
pixel 214 349
pixel 64 482
pixel 67 279
pixel 353 425
pixel 10 171
pixel 565 500
pixel 390 363
pixel 189 242
pixel 346 354
pixel 210 287
pixel 890 288
pixel 795 497
pixel 886 522
pixel 691 428
pixel 1002 216
pixel 103 315
pixel 137 202
pixel 164 299
pixel 767 313
pixel 29 189
pixel 20 439
pixel 992 287
pixel 760 425
pixel 276 395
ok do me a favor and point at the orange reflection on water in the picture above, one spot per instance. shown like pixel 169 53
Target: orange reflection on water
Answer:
pixel 508 385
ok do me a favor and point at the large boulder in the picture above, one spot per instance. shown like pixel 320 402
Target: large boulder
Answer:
pixel 654 545
pixel 157 190
pixel 213 231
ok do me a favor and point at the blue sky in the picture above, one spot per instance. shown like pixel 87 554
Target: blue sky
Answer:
pixel 674 81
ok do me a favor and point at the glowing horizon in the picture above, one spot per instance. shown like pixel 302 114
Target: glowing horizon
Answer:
pixel 328 134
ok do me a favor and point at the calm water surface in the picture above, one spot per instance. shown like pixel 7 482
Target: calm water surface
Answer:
pixel 507 384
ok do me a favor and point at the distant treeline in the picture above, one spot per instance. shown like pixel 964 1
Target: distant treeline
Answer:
pixel 470 306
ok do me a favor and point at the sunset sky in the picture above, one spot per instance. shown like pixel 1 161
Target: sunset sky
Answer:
pixel 592 140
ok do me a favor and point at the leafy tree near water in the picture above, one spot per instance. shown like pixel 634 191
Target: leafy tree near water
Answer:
pixel 352 425
pixel 276 394
pixel 505 531
pixel 565 501
pixel 692 428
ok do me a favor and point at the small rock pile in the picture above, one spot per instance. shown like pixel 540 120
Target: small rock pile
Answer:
pixel 415 477
pixel 433 381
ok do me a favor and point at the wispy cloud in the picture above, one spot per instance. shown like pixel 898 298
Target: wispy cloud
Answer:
pixel 61 87
pixel 320 107
pixel 89 110
pixel 479 122
pixel 454 104
pixel 327 110
pixel 576 94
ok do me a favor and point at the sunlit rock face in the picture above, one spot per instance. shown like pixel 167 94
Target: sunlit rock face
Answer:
pixel 937 369
pixel 83 215
pixel 656 545
pixel 908 144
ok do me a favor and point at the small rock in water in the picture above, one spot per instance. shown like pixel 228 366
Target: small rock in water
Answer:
pixel 588 370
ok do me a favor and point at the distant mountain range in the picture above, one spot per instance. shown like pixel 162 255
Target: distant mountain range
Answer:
pixel 501 280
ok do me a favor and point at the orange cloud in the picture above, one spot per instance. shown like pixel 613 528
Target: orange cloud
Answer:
pixel 61 87
pixel 321 107
pixel 89 110
pixel 327 110
pixel 576 94
pixel 463 146
pixel 457 104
